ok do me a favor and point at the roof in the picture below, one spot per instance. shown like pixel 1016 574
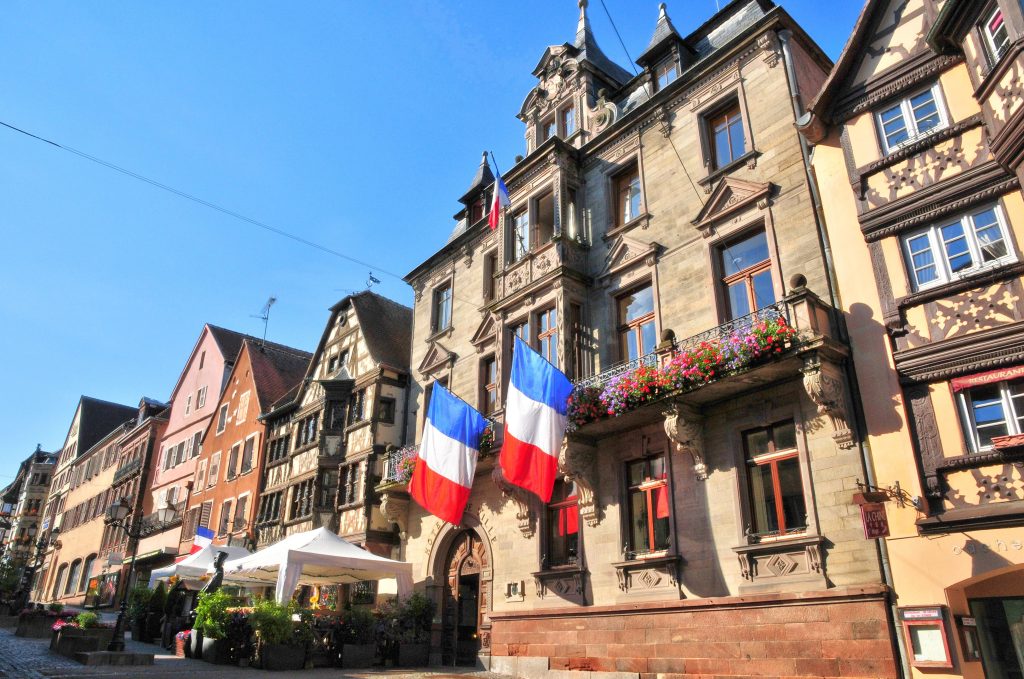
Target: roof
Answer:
pixel 275 371
pixel 664 31
pixel 589 51
pixel 230 342
pixel 822 103
pixel 386 326
pixel 481 180
pixel 98 418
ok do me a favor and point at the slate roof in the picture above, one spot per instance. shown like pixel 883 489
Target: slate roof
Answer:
pixel 482 179
pixel 99 418
pixel 230 342
pixel 588 49
pixel 663 32
pixel 386 327
pixel 275 371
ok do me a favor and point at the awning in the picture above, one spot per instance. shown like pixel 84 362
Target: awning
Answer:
pixel 316 557
pixel 196 565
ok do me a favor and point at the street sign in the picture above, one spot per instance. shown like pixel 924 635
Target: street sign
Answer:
pixel 876 523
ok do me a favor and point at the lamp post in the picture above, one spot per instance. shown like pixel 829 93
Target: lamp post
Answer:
pixel 33 565
pixel 117 515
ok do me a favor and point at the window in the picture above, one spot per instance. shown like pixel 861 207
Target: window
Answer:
pixel 909 119
pixel 241 508
pixel 86 570
pixel 302 500
pixel 179 453
pixel 188 404
pixel 563 526
pixel 961 246
pixel 71 586
pixel 356 403
pixel 773 475
pixel 992 410
pixel 225 518
pixel 214 470
pixel 247 452
pixel 649 506
pixel 201 476
pixel 544 218
pixel 349 491
pixel 488 385
pixel 222 418
pixel 636 323
pixel 201 398
pixel 243 408
pixel 270 508
pixel 627 196
pixel 476 211
pixel 168 457
pixel 490 270
pixel 747 274
pixel 306 432
pixel 278 449
pixel 726 136
pixel 548 129
pixel 197 443
pixel 442 308
pixel 666 72
pixel 997 38
pixel 328 489
pixel 520 235
pixel 232 465
pixel 572 227
pixel 332 365
pixel 386 411
pixel 568 121
pixel 547 335
pixel 202 360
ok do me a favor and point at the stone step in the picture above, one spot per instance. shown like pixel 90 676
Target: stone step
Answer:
pixel 113 658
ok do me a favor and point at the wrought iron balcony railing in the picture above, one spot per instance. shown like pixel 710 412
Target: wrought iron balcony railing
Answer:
pixel 398 465
pixel 127 470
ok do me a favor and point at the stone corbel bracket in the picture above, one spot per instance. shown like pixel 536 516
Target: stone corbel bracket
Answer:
pixel 519 497
pixel 684 426
pixel 825 386
pixel 395 508
pixel 577 462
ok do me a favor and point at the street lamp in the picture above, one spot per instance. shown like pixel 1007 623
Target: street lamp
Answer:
pixel 117 515
pixel 41 545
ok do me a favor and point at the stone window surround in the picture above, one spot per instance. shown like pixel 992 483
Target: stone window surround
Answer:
pixel 760 221
pixel 709 108
pixel 446 280
pixel 612 173
pixel 529 204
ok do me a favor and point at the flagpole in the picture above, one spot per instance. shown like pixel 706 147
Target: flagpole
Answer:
pixel 468 404
pixel 495 163
pixel 542 357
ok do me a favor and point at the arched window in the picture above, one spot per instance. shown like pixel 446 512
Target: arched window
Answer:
pixel 76 573
pixel 58 581
pixel 86 572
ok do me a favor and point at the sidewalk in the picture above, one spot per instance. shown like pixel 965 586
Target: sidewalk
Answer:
pixel 22 658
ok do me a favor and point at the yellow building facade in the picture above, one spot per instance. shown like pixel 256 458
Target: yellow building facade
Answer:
pixel 915 153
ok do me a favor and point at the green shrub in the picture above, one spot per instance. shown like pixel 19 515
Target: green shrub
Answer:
pixel 138 601
pixel 271 621
pixel 212 615
pixel 55 608
pixel 158 598
pixel 358 627
pixel 87 620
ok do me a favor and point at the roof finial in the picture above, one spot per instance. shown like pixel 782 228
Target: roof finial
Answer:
pixel 662 10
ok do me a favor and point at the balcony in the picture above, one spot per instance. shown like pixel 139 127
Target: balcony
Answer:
pixel 128 470
pixel 398 466
pixel 540 263
pixel 151 523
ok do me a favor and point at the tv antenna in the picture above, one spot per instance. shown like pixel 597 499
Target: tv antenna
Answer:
pixel 264 315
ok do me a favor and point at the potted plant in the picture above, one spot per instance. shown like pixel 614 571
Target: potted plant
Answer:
pixel 36 623
pixel 212 623
pixel 404 630
pixel 357 639
pixel 138 605
pixel 282 644
pixel 155 613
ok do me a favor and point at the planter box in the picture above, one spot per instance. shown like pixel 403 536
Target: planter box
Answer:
pixel 279 657
pixel 413 655
pixel 216 651
pixel 35 626
pixel 358 656
pixel 71 640
pixel 195 645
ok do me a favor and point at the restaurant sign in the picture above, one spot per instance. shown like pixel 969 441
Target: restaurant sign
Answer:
pixel 876 523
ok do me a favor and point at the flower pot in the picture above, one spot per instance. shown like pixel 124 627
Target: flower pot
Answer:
pixel 216 651
pixel 358 656
pixel 195 644
pixel 413 655
pixel 280 657
pixel 35 626
pixel 71 640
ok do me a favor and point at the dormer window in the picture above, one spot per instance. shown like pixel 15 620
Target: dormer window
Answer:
pixel 665 72
pixel 476 212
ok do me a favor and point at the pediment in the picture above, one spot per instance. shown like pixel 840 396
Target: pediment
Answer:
pixel 628 252
pixel 436 358
pixel 556 72
pixel 485 333
pixel 729 197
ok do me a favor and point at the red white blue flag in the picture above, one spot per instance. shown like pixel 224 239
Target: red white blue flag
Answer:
pixel 535 421
pixel 498 202
pixel 443 477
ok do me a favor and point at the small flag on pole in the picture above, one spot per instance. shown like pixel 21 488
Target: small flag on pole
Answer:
pixel 443 477
pixel 499 202
pixel 535 420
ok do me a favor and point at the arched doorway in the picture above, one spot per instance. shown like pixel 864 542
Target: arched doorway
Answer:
pixel 464 600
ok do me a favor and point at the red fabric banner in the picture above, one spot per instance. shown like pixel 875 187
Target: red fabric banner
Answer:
pixel 569 519
pixel 979 379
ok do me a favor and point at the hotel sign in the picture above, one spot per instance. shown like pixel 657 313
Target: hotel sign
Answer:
pixel 876 523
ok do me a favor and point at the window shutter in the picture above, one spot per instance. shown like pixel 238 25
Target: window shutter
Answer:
pixel 204 514
pixel 197 443
pixel 247 454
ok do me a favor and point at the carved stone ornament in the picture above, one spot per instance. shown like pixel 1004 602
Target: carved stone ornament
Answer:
pixel 395 508
pixel 684 426
pixel 828 393
pixel 577 463
pixel 770 45
pixel 604 113
pixel 520 499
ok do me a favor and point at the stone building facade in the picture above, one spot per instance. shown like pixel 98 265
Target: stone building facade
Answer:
pixel 24 500
pixel 654 217
pixel 918 148
pixel 326 438
pixel 226 486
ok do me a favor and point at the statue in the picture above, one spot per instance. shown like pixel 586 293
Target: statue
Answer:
pixel 218 576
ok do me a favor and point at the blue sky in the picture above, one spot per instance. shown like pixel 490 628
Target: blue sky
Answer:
pixel 355 125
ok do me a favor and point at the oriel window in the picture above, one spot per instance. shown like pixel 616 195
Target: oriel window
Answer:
pixel 727 139
pixel 563 527
pixel 520 235
pixel 649 505
pixel 776 489
pixel 747 274
pixel 637 336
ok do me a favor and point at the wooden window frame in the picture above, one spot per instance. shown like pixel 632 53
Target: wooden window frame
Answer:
pixel 222 418
pixel 488 389
pixel 746 274
pixel 1011 413
pixel 551 518
pixel 490 281
pixel 545 336
pixel 909 121
pixel 712 118
pixel 622 178
pixel 623 327
pixel 993 52
pixel 772 458
pixel 438 304
pixel 732 97
pixel 563 115
pixel 648 486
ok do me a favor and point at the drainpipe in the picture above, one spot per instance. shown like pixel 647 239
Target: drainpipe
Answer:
pixel 833 290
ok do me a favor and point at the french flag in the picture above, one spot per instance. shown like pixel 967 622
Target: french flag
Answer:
pixel 443 477
pixel 500 200
pixel 535 420
pixel 204 536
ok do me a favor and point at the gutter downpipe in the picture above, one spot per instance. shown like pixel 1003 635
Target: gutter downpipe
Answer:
pixel 826 248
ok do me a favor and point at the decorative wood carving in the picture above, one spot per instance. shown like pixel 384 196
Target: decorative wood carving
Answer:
pixel 926 435
pixel 828 391
pixel 577 462
pixel 962 354
pixel 892 317
pixel 520 500
pixel 684 426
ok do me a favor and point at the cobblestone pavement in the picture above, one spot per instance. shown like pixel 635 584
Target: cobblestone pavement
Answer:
pixel 22 658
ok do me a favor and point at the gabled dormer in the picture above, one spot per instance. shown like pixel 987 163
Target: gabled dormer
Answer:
pixel 666 55
pixel 570 77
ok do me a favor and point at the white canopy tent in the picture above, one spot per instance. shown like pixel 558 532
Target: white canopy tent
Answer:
pixel 316 557
pixel 196 565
